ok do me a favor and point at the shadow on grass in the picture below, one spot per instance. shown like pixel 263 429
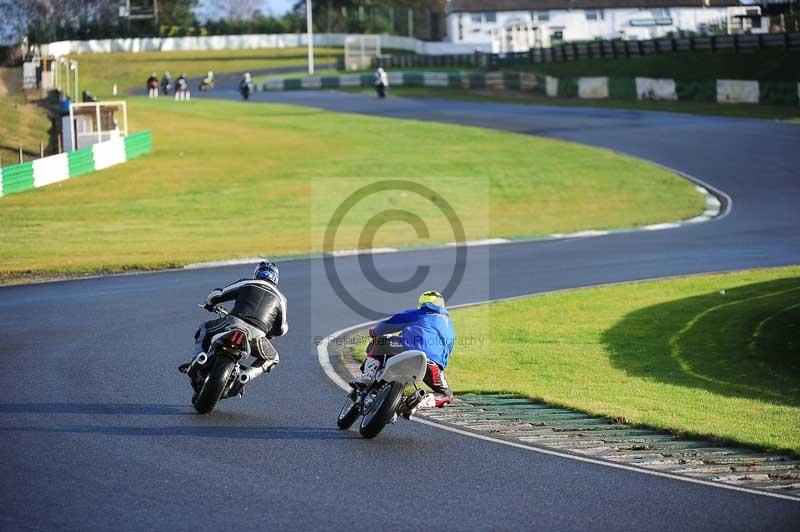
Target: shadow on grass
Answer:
pixel 741 344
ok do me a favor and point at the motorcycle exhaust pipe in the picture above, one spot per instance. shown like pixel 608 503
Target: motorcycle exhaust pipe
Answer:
pixel 249 374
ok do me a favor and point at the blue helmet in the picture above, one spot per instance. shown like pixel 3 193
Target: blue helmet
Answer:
pixel 267 271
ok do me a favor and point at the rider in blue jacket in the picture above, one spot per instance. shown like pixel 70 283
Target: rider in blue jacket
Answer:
pixel 428 329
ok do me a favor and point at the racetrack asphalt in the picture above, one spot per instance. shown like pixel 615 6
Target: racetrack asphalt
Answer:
pixel 98 433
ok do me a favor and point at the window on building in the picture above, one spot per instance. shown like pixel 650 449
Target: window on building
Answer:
pixel 490 16
pixel 476 18
pixel 659 13
pixel 592 15
pixel 556 37
pixel 542 16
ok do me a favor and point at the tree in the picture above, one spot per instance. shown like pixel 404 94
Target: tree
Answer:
pixel 178 13
pixel 237 9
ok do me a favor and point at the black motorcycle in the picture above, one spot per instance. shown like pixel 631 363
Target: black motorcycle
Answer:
pixel 217 374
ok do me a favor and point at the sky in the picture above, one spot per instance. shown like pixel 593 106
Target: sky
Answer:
pixel 274 7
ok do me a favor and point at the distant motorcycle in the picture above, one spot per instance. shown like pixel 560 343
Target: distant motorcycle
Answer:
pixel 206 85
pixel 218 374
pixel 246 89
pixel 385 401
pixel 166 86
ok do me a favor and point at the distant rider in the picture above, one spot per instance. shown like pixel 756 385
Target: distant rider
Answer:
pixel 152 86
pixel 246 85
pixel 381 82
pixel 259 308
pixel 166 83
pixel 208 81
pixel 182 88
pixel 428 329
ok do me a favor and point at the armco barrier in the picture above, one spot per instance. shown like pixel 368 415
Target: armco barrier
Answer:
pixel 138 144
pixel 17 178
pixel 80 162
pixel 48 170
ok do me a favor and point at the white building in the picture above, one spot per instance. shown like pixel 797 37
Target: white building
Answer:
pixel 517 25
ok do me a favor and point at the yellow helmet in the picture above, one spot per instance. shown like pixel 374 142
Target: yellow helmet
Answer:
pixel 431 296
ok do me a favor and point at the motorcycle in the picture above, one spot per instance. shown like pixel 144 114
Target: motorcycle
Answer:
pixel 206 85
pixel 218 373
pixel 385 401
pixel 166 86
pixel 246 89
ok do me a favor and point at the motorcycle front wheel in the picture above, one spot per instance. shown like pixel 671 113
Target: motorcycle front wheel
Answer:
pixel 383 409
pixel 212 389
pixel 348 414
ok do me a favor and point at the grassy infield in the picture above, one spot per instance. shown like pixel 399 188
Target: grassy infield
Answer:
pixel 672 354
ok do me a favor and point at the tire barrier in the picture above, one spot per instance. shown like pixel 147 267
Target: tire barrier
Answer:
pixel 657 89
pixel 56 168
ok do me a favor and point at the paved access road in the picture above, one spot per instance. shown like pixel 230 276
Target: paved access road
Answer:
pixel 97 432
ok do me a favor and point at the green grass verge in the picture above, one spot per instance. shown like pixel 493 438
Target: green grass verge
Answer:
pixel 773 112
pixel 99 72
pixel 763 65
pixel 231 179
pixel 23 123
pixel 674 354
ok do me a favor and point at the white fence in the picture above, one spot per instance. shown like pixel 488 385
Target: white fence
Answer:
pixel 241 42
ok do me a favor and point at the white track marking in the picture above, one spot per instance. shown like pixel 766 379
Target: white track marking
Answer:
pixel 373 251
pixel 324 361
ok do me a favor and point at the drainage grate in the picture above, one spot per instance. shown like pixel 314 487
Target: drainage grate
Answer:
pixel 520 419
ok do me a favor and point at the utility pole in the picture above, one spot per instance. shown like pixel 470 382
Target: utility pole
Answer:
pixel 74 65
pixel 310 37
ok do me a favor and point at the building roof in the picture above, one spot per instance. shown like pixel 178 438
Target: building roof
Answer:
pixel 457 6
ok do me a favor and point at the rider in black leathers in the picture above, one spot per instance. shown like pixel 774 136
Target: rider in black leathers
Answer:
pixel 259 308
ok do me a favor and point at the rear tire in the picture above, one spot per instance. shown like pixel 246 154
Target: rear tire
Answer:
pixel 211 391
pixel 348 414
pixel 388 401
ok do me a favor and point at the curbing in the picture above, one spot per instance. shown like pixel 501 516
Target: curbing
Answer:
pixel 56 168
pixel 657 89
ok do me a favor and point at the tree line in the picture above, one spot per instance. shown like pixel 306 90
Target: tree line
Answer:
pixel 53 20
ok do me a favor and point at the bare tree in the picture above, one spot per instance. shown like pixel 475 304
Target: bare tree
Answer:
pixel 237 9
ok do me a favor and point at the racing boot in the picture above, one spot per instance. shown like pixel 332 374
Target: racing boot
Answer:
pixel 366 379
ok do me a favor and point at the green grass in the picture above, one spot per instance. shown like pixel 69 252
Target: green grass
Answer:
pixel 773 112
pixel 99 72
pixel 23 123
pixel 675 354
pixel 763 65
pixel 231 179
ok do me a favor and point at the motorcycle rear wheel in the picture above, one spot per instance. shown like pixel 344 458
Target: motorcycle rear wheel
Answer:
pixel 211 391
pixel 384 407
pixel 348 414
